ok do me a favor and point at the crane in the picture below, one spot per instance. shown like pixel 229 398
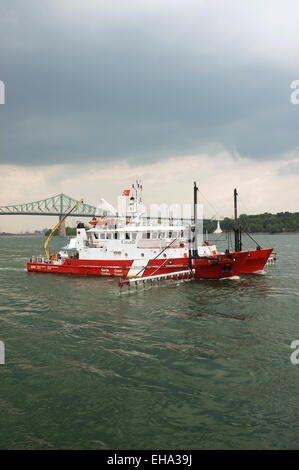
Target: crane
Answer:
pixel 57 227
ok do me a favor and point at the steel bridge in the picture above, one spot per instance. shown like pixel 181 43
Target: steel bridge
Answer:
pixel 57 205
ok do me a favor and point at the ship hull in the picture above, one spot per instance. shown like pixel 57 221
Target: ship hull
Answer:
pixel 219 267
pixel 118 268
pixel 255 261
pixel 206 268
pixel 83 267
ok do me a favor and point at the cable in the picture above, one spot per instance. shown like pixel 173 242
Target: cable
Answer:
pixel 143 268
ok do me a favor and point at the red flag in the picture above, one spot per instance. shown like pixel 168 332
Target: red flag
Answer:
pixel 126 192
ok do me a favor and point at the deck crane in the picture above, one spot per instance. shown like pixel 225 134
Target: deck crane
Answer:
pixel 57 227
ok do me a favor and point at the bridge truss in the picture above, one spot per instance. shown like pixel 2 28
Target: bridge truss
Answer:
pixel 57 205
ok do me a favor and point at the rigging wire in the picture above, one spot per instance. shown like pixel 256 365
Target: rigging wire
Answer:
pixel 244 222
pixel 267 241
pixel 217 215
pixel 144 267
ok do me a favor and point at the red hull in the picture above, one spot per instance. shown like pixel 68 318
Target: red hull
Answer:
pixel 206 268
pixel 83 267
pixel 118 268
pixel 219 267
pixel 255 260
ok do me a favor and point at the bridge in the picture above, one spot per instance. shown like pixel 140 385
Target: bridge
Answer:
pixel 57 205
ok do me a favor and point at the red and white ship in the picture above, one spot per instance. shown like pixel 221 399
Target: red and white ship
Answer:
pixel 129 247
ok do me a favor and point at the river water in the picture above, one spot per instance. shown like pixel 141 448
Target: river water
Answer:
pixel 186 365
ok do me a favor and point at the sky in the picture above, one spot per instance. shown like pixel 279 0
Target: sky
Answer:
pixel 99 93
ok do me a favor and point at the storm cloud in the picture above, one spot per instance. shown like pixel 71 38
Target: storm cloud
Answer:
pixel 146 80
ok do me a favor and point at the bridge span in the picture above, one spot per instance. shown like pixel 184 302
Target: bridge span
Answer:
pixel 57 205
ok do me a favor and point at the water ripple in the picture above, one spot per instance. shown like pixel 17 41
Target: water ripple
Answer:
pixel 198 364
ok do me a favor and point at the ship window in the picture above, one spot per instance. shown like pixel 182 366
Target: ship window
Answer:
pixel 102 235
pixel 154 235
pixel 169 234
pixel 182 233
pixel 115 236
pixel 174 234
pixel 146 235
pixel 134 235
pixel 96 236
pixel 108 236
pixel 162 235
pixel 128 236
pixel 142 254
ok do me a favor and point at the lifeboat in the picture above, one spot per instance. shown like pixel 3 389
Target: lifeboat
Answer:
pixel 103 221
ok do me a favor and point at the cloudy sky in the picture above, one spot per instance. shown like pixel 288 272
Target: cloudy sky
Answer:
pixel 101 92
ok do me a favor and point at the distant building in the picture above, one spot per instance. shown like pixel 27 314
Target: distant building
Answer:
pixel 218 229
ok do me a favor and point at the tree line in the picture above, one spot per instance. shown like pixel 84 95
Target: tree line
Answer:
pixel 267 223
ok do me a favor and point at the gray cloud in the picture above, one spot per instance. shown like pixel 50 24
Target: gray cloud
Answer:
pixel 290 168
pixel 102 82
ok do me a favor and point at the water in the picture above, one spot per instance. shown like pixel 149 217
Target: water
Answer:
pixel 195 365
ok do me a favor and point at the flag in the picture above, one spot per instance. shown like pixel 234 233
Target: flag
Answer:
pixel 126 192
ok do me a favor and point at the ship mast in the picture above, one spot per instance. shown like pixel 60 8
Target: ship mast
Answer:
pixel 195 250
pixel 135 198
pixel 237 229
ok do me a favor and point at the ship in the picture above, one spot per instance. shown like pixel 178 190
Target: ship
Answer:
pixel 129 246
